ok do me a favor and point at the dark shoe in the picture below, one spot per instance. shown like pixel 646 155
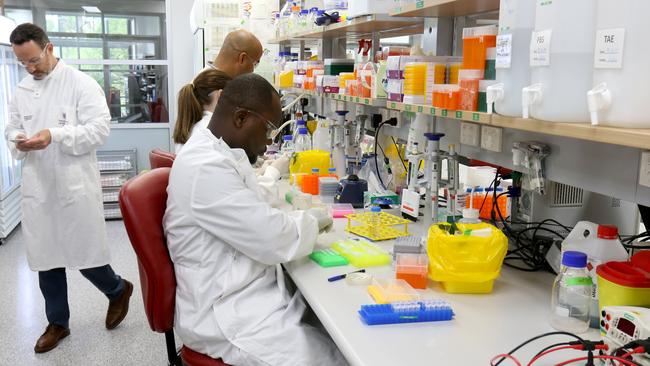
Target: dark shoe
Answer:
pixel 50 339
pixel 117 308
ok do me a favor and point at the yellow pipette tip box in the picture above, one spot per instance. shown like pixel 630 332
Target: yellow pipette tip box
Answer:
pixel 361 253
pixel 385 291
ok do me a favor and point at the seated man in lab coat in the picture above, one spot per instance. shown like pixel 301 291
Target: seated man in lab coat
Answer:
pixel 227 241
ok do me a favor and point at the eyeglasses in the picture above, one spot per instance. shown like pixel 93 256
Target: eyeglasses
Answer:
pixel 255 63
pixel 270 126
pixel 34 61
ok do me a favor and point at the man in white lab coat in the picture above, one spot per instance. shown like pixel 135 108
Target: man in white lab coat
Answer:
pixel 240 53
pixel 227 241
pixel 58 117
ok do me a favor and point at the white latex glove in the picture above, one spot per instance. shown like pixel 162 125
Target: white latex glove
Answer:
pixel 262 168
pixel 282 165
pixel 325 221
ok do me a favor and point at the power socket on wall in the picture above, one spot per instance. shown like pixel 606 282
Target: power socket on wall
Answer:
pixel 470 134
pixel 491 138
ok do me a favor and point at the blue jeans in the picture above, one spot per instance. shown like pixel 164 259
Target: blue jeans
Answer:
pixel 54 286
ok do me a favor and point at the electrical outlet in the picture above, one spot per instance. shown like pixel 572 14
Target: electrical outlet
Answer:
pixel 359 109
pixel 397 115
pixel 644 171
pixel 385 114
pixel 470 134
pixel 491 138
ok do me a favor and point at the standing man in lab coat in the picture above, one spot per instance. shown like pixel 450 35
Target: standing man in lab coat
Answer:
pixel 227 242
pixel 240 53
pixel 58 117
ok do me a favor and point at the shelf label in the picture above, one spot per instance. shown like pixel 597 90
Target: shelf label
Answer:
pixel 475 116
pixel 433 111
pixel 419 4
pixel 358 99
pixel 408 108
pixel 504 51
pixel 393 105
pixel 420 109
pixel 444 113
pixel 609 48
pixel 459 114
pixel 540 48
pixel 366 101
pixel 345 98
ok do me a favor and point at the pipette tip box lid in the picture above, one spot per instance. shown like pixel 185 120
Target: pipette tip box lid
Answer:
pixel 387 290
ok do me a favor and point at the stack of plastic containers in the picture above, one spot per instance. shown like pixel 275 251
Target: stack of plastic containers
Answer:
pixel 413 269
pixel 446 96
pixel 414 82
pixel 561 60
pixel 516 22
pixel 476 41
pixel 621 75
pixel 436 75
pixel 327 187
pixel 468 83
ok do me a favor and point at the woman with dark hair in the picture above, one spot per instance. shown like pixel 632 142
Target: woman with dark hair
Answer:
pixel 196 102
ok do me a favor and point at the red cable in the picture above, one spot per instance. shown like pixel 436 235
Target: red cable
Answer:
pixel 636 350
pixel 505 355
pixel 620 360
pixel 549 351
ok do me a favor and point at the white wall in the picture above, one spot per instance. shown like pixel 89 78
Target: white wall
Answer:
pixel 180 51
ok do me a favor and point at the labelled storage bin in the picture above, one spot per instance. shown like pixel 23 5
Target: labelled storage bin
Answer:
pixel 112 211
pixel 110 195
pixel 113 180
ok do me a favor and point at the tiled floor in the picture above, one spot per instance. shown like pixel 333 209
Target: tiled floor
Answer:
pixel 23 317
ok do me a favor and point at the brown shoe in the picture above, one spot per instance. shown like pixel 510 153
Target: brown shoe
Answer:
pixel 117 308
pixel 50 339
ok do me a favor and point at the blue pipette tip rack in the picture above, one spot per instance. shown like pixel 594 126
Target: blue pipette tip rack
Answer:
pixel 407 312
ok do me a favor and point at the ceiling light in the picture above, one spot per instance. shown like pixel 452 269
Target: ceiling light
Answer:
pixel 91 9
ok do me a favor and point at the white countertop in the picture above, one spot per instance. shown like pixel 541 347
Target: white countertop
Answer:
pixel 484 325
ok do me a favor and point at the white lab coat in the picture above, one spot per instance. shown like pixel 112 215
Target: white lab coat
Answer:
pixel 201 124
pixel 63 217
pixel 227 244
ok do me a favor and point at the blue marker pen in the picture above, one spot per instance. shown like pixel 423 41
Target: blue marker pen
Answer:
pixel 340 277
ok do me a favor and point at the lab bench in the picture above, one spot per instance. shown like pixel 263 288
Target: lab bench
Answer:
pixel 483 326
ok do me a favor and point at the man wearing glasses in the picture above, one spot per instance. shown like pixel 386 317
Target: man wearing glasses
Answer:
pixel 227 242
pixel 58 117
pixel 240 54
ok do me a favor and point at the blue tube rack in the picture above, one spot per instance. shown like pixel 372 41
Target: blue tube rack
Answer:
pixel 406 312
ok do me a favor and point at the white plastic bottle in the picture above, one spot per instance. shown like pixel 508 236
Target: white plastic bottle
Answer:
pixel 601 245
pixel 516 23
pixel 303 141
pixel 571 295
pixel 621 73
pixel 561 61
pixel 285 12
pixel 321 137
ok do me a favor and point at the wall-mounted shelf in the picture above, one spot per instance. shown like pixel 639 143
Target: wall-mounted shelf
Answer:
pixel 446 8
pixel 631 137
pixel 385 25
pixel 378 102
pixel 477 117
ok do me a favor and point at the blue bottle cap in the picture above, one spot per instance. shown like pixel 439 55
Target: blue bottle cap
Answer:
pixel 301 122
pixel 304 11
pixel 332 170
pixel 302 131
pixel 574 259
pixel 314 9
pixel 287 137
pixel 315 170
pixel 479 189
pixel 375 209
